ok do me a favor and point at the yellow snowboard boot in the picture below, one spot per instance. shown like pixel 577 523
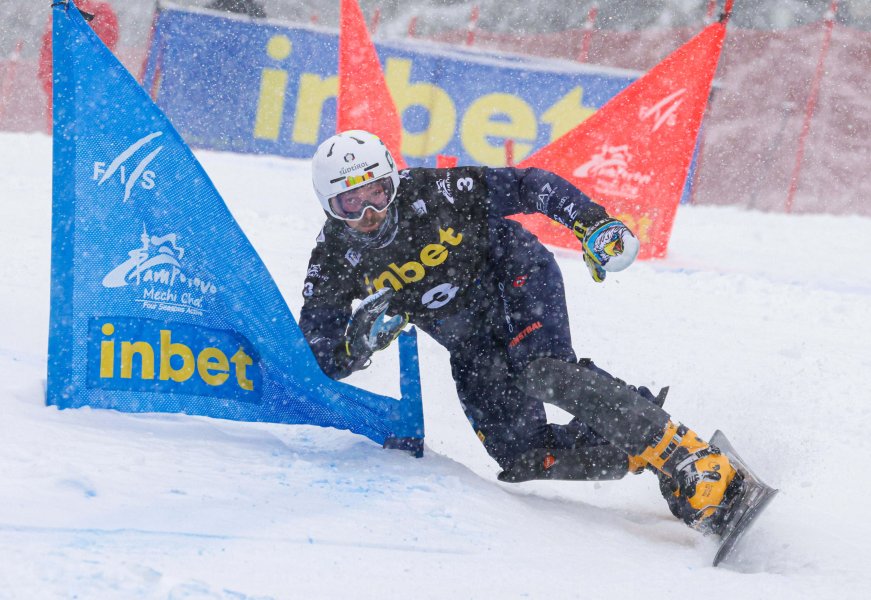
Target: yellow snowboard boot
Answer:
pixel 702 479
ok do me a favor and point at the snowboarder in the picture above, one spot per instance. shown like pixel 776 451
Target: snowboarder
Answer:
pixel 433 247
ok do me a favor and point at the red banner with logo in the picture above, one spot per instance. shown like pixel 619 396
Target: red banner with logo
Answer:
pixel 632 156
pixel 364 101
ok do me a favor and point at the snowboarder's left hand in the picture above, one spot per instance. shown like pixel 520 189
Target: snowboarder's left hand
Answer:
pixel 608 246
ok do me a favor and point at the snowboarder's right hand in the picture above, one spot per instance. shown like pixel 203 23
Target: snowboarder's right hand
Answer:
pixel 370 329
pixel 608 246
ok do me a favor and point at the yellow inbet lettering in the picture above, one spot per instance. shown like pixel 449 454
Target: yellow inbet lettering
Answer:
pixel 447 236
pixel 107 353
pixel 212 366
pixel 385 278
pixel 442 112
pixel 567 113
pixel 273 86
pixel 313 93
pixel 242 362
pixel 488 122
pixel 146 356
pixel 478 124
pixel 409 272
pixel 431 255
pixel 168 349
pixel 211 363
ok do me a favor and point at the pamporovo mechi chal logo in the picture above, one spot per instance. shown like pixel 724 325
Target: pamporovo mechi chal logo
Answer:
pixel 155 268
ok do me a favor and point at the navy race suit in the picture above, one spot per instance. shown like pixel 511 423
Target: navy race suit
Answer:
pixel 478 283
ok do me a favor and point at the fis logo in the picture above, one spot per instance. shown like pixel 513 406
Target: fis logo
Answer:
pixel 663 112
pixel 138 175
pixel 145 355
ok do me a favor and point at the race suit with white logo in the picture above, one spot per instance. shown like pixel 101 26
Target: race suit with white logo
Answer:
pixel 478 283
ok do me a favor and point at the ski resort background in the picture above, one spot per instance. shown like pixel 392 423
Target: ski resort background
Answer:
pixel 87 148
pixel 751 151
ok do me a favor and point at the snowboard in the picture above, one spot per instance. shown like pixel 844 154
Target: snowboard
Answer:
pixel 754 498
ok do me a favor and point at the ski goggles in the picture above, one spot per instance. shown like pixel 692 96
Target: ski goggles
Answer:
pixel 350 205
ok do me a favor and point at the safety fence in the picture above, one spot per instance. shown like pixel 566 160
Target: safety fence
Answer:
pixel 755 119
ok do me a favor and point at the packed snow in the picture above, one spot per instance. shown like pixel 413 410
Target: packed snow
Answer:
pixel 760 323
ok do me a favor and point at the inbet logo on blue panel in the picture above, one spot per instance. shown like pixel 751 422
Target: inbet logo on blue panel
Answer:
pixel 146 355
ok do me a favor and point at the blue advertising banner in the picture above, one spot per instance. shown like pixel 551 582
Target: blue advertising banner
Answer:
pixel 267 87
pixel 158 301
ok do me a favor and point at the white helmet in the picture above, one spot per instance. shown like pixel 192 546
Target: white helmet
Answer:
pixel 349 160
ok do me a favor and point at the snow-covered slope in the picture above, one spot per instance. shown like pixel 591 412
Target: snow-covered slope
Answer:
pixel 760 323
